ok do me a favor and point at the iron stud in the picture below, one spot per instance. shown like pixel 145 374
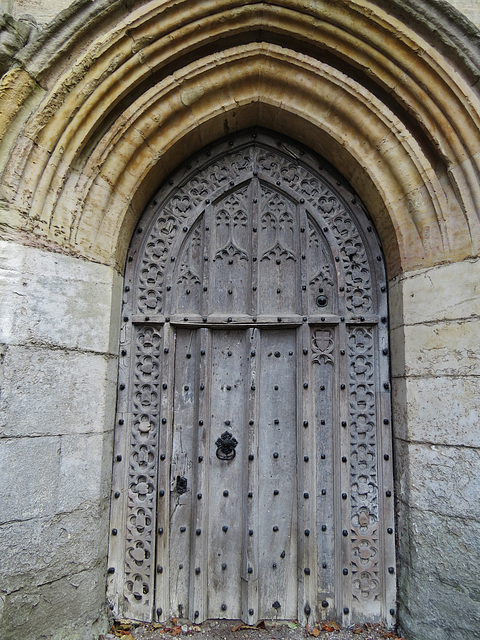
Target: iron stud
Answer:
pixel 183 529
pixel 274 565
pixel 250 456
pixel 250 570
pixel 225 528
pixel 161 493
pixel 345 572
pixel 119 458
pixel 307 532
pixel 117 494
pixel 391 570
pixel 344 496
pixel 159 612
pixel 345 533
pixel 199 496
pixel 250 494
pixel 324 604
pixel 306 495
pixel 324 492
pixel 224 566
pixel 344 458
pixel 307 571
pixel 388 494
pixel 224 607
pixel 305 458
pixel 390 530
pixel 114 532
pixel 164 421
pixel 346 610
pixel 307 610
pixel 197 570
pixel 111 570
pixel 386 457
pixel 200 458
pixel 198 532
pixel 392 612
pixel 324 565
pixel 159 569
pixel 276 492
pixel 225 493
pixel 196 614
pixel 305 423
pixel 275 528
pixel 160 531
pixel 250 532
pixel 275 455
pixel 250 612
pixel 276 421
pixel 324 527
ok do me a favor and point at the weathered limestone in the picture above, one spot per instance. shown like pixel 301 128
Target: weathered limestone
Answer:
pixel 94 115
pixel 58 339
pixel 437 447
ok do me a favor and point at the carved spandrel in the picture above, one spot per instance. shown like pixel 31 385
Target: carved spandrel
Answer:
pixel 321 273
pixel 231 220
pixel 322 346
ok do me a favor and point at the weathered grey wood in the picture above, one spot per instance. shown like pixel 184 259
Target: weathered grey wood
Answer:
pixel 266 273
pixel 277 453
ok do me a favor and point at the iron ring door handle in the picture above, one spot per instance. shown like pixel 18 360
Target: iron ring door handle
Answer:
pixel 226 446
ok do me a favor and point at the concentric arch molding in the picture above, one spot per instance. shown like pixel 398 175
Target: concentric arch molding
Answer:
pixel 141 93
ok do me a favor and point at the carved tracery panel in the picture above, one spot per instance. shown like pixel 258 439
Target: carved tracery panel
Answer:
pixel 254 339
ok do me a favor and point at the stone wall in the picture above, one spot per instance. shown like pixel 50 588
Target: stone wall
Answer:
pixel 96 112
pixel 435 367
pixel 59 341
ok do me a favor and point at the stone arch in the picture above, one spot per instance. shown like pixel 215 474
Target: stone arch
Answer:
pixel 108 101
pixel 114 123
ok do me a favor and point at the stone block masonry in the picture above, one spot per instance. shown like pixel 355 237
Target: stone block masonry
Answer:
pixel 58 395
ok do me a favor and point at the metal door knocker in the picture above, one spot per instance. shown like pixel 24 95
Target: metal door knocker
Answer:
pixel 226 446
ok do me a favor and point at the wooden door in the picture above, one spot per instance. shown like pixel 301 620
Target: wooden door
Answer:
pixel 253 472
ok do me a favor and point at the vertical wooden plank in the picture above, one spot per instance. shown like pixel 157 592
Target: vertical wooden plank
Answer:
pixel 225 492
pixel 199 567
pixel 277 458
pixel 250 488
pixel 323 363
pixel 162 532
pixel 306 473
pixel 181 475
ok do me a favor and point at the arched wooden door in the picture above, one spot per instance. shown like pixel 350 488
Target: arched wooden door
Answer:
pixel 253 467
